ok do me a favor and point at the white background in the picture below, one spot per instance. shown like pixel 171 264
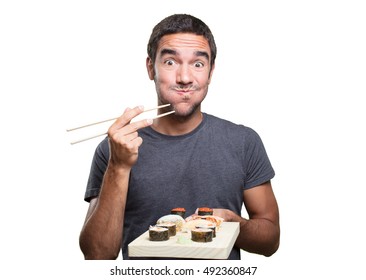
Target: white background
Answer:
pixel 292 70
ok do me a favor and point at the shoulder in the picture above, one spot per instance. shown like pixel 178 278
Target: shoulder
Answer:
pixel 234 135
pixel 227 126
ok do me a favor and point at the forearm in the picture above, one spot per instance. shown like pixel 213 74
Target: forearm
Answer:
pixel 101 235
pixel 260 236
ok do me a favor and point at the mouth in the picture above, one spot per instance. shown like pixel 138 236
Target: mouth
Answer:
pixel 184 91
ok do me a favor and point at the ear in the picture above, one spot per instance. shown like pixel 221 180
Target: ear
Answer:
pixel 211 72
pixel 150 68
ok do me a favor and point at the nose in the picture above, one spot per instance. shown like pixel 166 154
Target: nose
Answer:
pixel 184 75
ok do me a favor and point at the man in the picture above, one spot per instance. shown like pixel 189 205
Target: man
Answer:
pixel 188 159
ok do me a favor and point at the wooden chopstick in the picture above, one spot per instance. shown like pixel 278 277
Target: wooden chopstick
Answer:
pixel 101 134
pixel 112 119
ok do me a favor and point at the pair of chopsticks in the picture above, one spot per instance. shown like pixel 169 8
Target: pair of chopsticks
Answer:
pixel 100 122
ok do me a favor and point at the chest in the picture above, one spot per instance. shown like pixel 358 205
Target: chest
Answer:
pixel 192 174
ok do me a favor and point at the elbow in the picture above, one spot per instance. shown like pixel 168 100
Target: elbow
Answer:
pixel 272 250
pixel 274 245
pixel 99 254
pixel 93 251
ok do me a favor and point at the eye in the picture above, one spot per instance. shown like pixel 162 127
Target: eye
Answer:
pixel 169 62
pixel 198 64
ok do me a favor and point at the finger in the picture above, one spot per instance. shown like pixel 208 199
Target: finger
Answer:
pixel 137 141
pixel 127 116
pixel 135 126
pixel 126 143
pixel 116 133
pixel 123 139
pixel 130 137
pixel 133 146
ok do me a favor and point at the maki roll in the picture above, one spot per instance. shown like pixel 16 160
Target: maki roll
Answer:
pixel 172 228
pixel 205 211
pixel 193 224
pixel 178 220
pixel 158 233
pixel 178 211
pixel 209 226
pixel 202 235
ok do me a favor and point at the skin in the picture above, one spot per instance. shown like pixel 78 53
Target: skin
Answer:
pixel 261 232
pixel 182 75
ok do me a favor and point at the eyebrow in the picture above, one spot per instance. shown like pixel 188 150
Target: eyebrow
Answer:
pixel 167 51
pixel 204 54
pixel 173 52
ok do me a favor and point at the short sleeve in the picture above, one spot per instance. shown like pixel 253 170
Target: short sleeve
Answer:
pixel 258 168
pixel 97 170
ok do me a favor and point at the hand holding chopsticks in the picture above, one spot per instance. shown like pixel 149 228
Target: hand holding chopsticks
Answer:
pixel 103 121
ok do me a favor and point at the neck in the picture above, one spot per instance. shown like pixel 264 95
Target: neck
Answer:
pixel 175 125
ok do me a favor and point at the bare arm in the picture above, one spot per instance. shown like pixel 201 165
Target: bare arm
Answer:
pixel 101 235
pixel 261 232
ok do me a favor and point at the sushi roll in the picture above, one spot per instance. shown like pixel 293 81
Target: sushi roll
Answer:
pixel 178 220
pixel 193 224
pixel 209 226
pixel 178 211
pixel 205 211
pixel 158 233
pixel 172 228
pixel 202 235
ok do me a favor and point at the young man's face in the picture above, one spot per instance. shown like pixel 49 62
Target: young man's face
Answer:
pixel 182 71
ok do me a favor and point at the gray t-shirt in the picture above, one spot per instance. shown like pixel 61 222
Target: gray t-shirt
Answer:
pixel 208 167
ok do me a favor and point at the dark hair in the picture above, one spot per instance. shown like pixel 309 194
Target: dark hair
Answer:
pixel 180 23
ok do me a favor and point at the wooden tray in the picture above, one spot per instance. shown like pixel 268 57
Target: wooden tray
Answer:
pixel 219 248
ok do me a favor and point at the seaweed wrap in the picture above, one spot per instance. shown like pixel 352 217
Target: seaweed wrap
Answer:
pixel 202 235
pixel 172 228
pixel 204 211
pixel 178 211
pixel 158 233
